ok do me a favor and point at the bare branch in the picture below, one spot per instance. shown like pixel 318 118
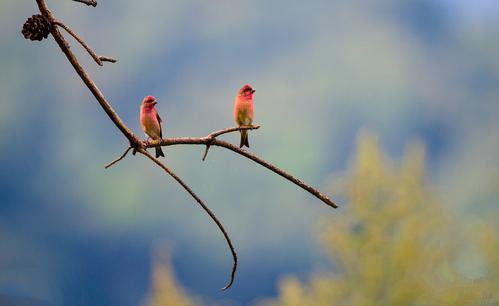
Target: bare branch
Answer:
pixel 87 2
pixel 141 146
pixel 211 141
pixel 134 140
pixel 119 158
pixel 205 208
pixel 97 59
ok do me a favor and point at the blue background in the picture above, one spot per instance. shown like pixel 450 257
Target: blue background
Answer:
pixel 73 233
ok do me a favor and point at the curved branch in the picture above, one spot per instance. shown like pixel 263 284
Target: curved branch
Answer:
pixel 135 142
pixel 204 207
pixel 210 140
pixel 141 146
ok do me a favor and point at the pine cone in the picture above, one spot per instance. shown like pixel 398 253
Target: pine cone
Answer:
pixel 37 27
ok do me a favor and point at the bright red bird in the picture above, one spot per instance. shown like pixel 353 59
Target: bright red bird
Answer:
pixel 243 111
pixel 151 122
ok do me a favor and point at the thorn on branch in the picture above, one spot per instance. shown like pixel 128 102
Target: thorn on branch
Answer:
pixel 206 152
pixel 87 2
pixel 97 59
pixel 119 158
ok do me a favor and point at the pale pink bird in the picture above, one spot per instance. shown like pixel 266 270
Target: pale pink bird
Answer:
pixel 151 122
pixel 243 111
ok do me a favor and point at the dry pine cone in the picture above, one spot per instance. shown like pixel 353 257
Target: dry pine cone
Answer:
pixel 37 27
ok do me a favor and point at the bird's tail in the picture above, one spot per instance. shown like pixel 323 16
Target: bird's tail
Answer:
pixel 244 139
pixel 159 152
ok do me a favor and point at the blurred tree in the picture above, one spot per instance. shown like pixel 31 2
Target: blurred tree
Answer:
pixel 165 290
pixel 395 244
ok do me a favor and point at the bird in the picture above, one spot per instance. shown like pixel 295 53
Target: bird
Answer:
pixel 151 122
pixel 243 111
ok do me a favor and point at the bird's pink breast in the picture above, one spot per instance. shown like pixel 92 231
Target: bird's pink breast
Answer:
pixel 243 110
pixel 149 122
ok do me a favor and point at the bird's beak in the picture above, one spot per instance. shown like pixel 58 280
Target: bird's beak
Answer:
pixel 253 91
pixel 154 103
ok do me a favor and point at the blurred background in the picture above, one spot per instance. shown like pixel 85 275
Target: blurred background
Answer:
pixel 387 106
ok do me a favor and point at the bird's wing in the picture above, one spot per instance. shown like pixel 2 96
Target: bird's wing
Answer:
pixel 160 128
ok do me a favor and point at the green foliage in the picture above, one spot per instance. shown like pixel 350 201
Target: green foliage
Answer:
pixel 394 243
pixel 165 290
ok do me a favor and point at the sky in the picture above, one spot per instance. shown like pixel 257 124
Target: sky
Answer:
pixel 76 234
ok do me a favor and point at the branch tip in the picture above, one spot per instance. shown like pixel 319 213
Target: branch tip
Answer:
pixel 107 59
pixel 87 2
pixel 119 158
pixel 206 152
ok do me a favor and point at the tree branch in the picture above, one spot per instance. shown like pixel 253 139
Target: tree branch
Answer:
pixel 87 2
pixel 210 140
pixel 141 146
pixel 106 106
pixel 205 208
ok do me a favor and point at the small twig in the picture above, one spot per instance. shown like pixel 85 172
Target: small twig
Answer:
pixel 141 146
pixel 224 131
pixel 97 59
pixel 87 2
pixel 119 158
pixel 107 59
pixel 233 129
pixel 205 208
pixel 206 152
